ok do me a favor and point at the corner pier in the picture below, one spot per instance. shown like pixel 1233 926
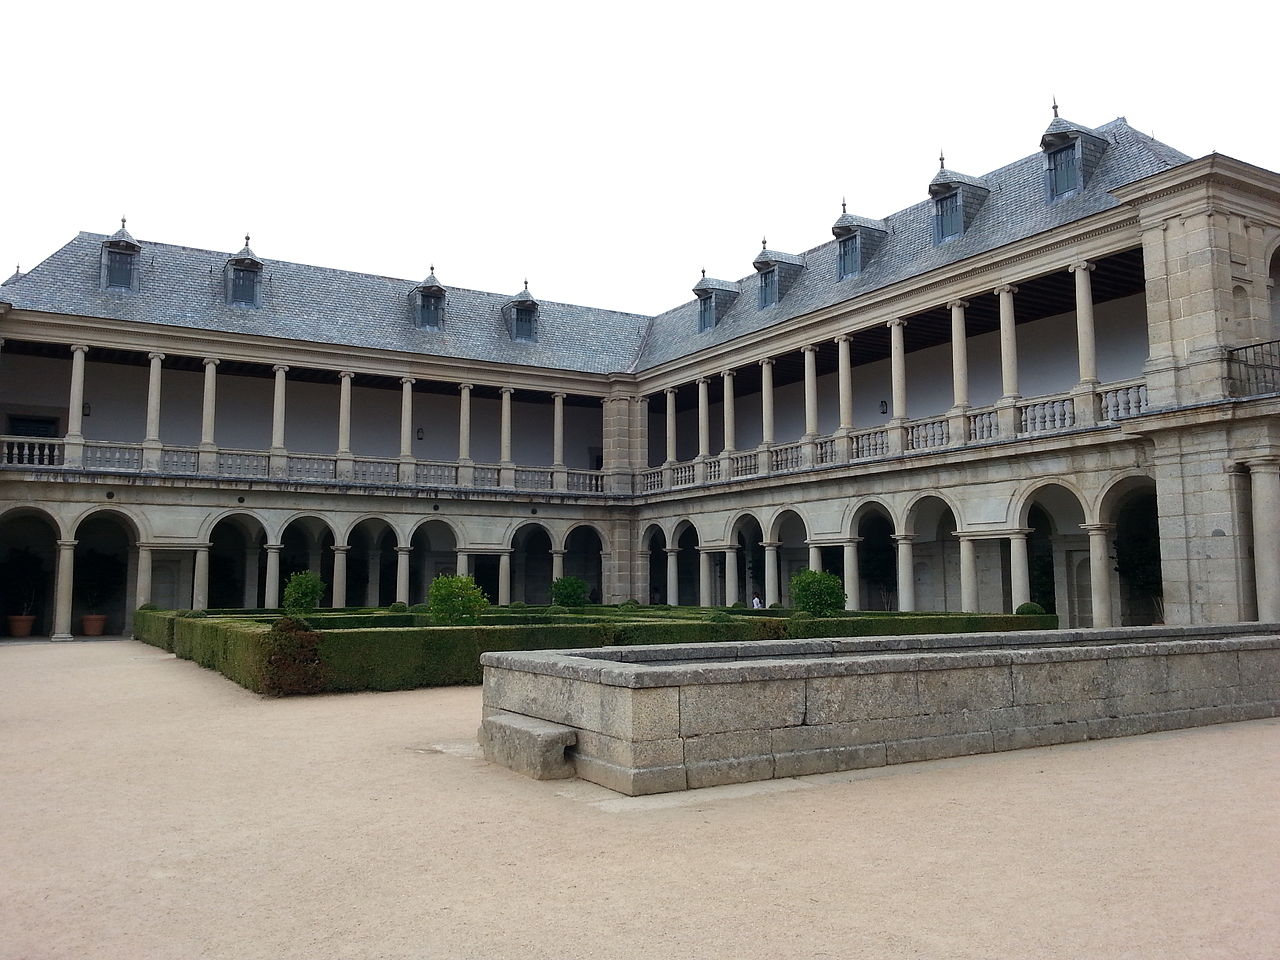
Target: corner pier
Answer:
pixel 653 719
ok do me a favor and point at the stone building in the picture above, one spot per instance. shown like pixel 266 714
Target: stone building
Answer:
pixel 1056 381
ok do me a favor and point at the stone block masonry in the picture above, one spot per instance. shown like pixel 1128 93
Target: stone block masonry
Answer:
pixel 646 720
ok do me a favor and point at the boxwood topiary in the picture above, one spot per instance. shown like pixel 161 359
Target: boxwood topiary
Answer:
pixel 398 607
pixel 1029 609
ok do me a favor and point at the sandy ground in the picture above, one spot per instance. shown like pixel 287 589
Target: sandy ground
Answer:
pixel 150 808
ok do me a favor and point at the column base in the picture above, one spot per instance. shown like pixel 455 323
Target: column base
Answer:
pixel 279 462
pixel 559 477
pixel 1007 420
pixel 207 459
pixel 466 473
pixel 151 451
pixel 60 637
pixel 957 426
pixel 506 474
pixel 1088 405
pixel 896 437
pixel 408 470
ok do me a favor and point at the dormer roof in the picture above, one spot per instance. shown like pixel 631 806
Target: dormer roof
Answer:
pixel 246 257
pixel 768 259
pixel 946 181
pixel 711 285
pixel 122 240
pixel 523 299
pixel 17 275
pixel 1061 130
pixel 431 284
pixel 848 223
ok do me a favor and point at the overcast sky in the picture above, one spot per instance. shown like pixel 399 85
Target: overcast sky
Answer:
pixel 605 151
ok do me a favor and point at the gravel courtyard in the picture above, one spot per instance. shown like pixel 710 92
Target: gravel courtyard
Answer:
pixel 151 809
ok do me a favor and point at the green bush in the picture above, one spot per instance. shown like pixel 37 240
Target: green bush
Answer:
pixel 154 627
pixel 910 624
pixel 556 610
pixel 456 600
pixel 419 608
pixel 148 606
pixel 719 616
pixel 775 605
pixel 398 607
pixel 739 605
pixel 569 592
pixel 293 663
pixel 818 593
pixel 1029 610
pixel 302 593
pixel 629 605
pixel 516 605
pixel 801 615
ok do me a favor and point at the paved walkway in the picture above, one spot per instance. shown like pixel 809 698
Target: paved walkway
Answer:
pixel 151 809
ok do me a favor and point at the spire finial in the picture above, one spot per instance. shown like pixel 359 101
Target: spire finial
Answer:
pixel 246 239
pixel 122 221
pixel 526 284
pixel 1055 106
pixel 942 159
pixel 844 204
pixel 432 270
pixel 764 243
pixel 704 273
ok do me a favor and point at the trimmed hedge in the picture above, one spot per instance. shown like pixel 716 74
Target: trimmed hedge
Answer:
pixel 237 649
pixel 155 627
pixel 907 625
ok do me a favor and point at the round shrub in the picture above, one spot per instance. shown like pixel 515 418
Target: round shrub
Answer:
pixel 776 606
pixel 516 605
pixel 801 615
pixel 631 604
pixel 719 616
pixel 193 614
pixel 556 610
pixel 569 592
pixel 148 606
pixel 419 608
pixel 454 601
pixel 302 593
pixel 739 605
pixel 398 607
pixel 1029 609
pixel 820 594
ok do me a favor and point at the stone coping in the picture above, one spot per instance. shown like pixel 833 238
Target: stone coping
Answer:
pixel 666 665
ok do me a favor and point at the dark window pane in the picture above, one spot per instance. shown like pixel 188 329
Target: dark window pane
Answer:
pixel 432 311
pixel 1063 171
pixel 33 426
pixel 523 325
pixel 244 286
pixel 768 288
pixel 849 264
pixel 949 222
pixel 706 313
pixel 119 269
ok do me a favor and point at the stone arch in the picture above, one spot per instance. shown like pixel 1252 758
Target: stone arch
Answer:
pixel 579 524
pixel 532 564
pixel 1057 548
pixel 1273 274
pixel 237 574
pixel 1024 499
pixel 932 522
pixel 789 530
pixel 857 509
pixel 1239 302
pixel 434 547
pixel 241 513
pixel 136 524
pixel 746 532
pixel 653 548
pixel 584 549
pixel 29 538
pixel 1129 504
pixel 687 540
pixel 104 579
pixel 371 560
pixel 921 510
pixel 874 524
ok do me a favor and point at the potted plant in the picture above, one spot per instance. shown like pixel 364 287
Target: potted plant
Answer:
pixel 22 580
pixel 100 577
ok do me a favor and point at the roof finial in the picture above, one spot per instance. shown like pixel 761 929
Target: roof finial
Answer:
pixel 432 270
pixel 764 243
pixel 942 159
pixel 704 273
pixel 1055 106
pixel 526 284
pixel 844 204
pixel 246 239
pixel 122 221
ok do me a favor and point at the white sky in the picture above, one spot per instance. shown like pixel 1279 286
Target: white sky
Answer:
pixel 605 151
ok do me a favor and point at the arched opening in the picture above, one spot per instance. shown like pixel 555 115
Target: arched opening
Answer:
pixel 1274 274
pixel 654 545
pixel 1058 555
pixel 28 563
pixel 750 557
pixel 531 567
pixel 793 551
pixel 877 560
pixel 236 571
pixel 105 566
pixel 307 545
pixel 434 554
pixel 935 554
pixel 1131 506
pixel 583 558
pixel 686 538
pixel 371 563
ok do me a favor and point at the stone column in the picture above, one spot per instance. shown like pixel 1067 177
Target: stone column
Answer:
pixel 766 416
pixel 730 425
pixel 151 442
pixel 408 469
pixel 200 579
pixel 673 576
pixel 667 472
pixel 506 468
pixel 815 558
pixel 252 558
pixel 846 384
pixel 906 571
pixel 704 431
pixel 959 356
pixel 142 585
pixel 1084 395
pixel 704 577
pixel 340 551
pixel 346 465
pixel 64 579
pixel 1019 570
pixel 504 578
pixel 1264 484
pixel 969 602
pixel 560 475
pixel 557 564
pixel 464 564
pixel 852 578
pixel 208 417
pixel 1007 406
pixel 771 592
pixel 373 578
pixel 73 443
pixel 1099 571
pixel 402 574
pixel 271 590
pixel 897 432
pixel 279 455
pixel 731 577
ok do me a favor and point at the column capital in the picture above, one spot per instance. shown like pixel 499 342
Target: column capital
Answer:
pixel 1262 464
pixel 1006 288
pixel 404 549
pixel 345 374
pixel 559 395
pixel 852 541
pixel 843 338
pixel 280 368
pixel 155 356
pixel 510 390
pixel 767 362
pixel 1081 266
pixel 466 386
pixel 671 550
pixel 730 548
pixel 703 381
pixel 211 361
pixel 904 537
pixel 771 544
pixel 79 348
pixel 273 547
pixel 727 374
pixel 407 381
pixel 558 553
pixel 957 304
pixel 809 348
pixel 200 547
pixel 671 391
pixel 340 547
pixel 67 544
pixel 896 322
pixel 1097 529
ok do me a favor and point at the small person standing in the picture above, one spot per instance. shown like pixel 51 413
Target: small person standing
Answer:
pixel 756 602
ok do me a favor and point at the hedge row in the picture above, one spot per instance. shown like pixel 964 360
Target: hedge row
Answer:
pixel 906 625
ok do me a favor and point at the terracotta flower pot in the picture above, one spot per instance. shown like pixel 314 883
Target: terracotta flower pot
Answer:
pixel 20 625
pixel 92 624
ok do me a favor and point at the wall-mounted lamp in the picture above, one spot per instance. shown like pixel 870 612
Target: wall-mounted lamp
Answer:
pixel 84 410
pixel 884 406
pixel 419 433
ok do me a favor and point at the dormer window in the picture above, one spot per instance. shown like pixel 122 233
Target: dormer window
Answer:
pixel 120 267
pixel 427 302
pixel 950 223
pixel 1064 172
pixel 244 285
pixel 1071 155
pixel 706 313
pixel 768 287
pixel 859 239
pixel 957 198
pixel 715 297
pixel 521 316
pixel 431 311
pixel 522 323
pixel 850 260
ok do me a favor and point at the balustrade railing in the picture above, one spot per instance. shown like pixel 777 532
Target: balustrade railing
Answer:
pixel 487 476
pixel 28 452
pixel 785 458
pixel 650 481
pixel 1041 416
pixel 532 478
pixel 311 468
pixel 589 481
pixel 682 475
pixel 436 474
pixel 931 433
pixel 826 451
pixel 242 463
pixel 713 471
pixel 179 460
pixel 1255 370
pixel 871 443
pixel 1124 400
pixel 744 465
pixel 374 470
pixel 112 456
pixel 983 426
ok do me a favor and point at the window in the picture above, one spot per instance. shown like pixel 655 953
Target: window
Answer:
pixel 522 323
pixel 849 260
pixel 950 223
pixel 431 312
pixel 120 270
pixel 244 286
pixel 1064 172
pixel 706 313
pixel 32 426
pixel 768 288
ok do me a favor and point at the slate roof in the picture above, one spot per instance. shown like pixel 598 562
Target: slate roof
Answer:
pixel 183 287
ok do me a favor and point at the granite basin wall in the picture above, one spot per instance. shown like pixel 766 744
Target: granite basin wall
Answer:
pixel 662 720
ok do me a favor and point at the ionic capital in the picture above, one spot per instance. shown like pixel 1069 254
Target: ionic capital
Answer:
pixel 896 322
pixel 211 361
pixel 407 381
pixel 280 368
pixel 1081 266
pixel 79 348
pixel 155 356
pixel 1006 288
pixel 957 304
